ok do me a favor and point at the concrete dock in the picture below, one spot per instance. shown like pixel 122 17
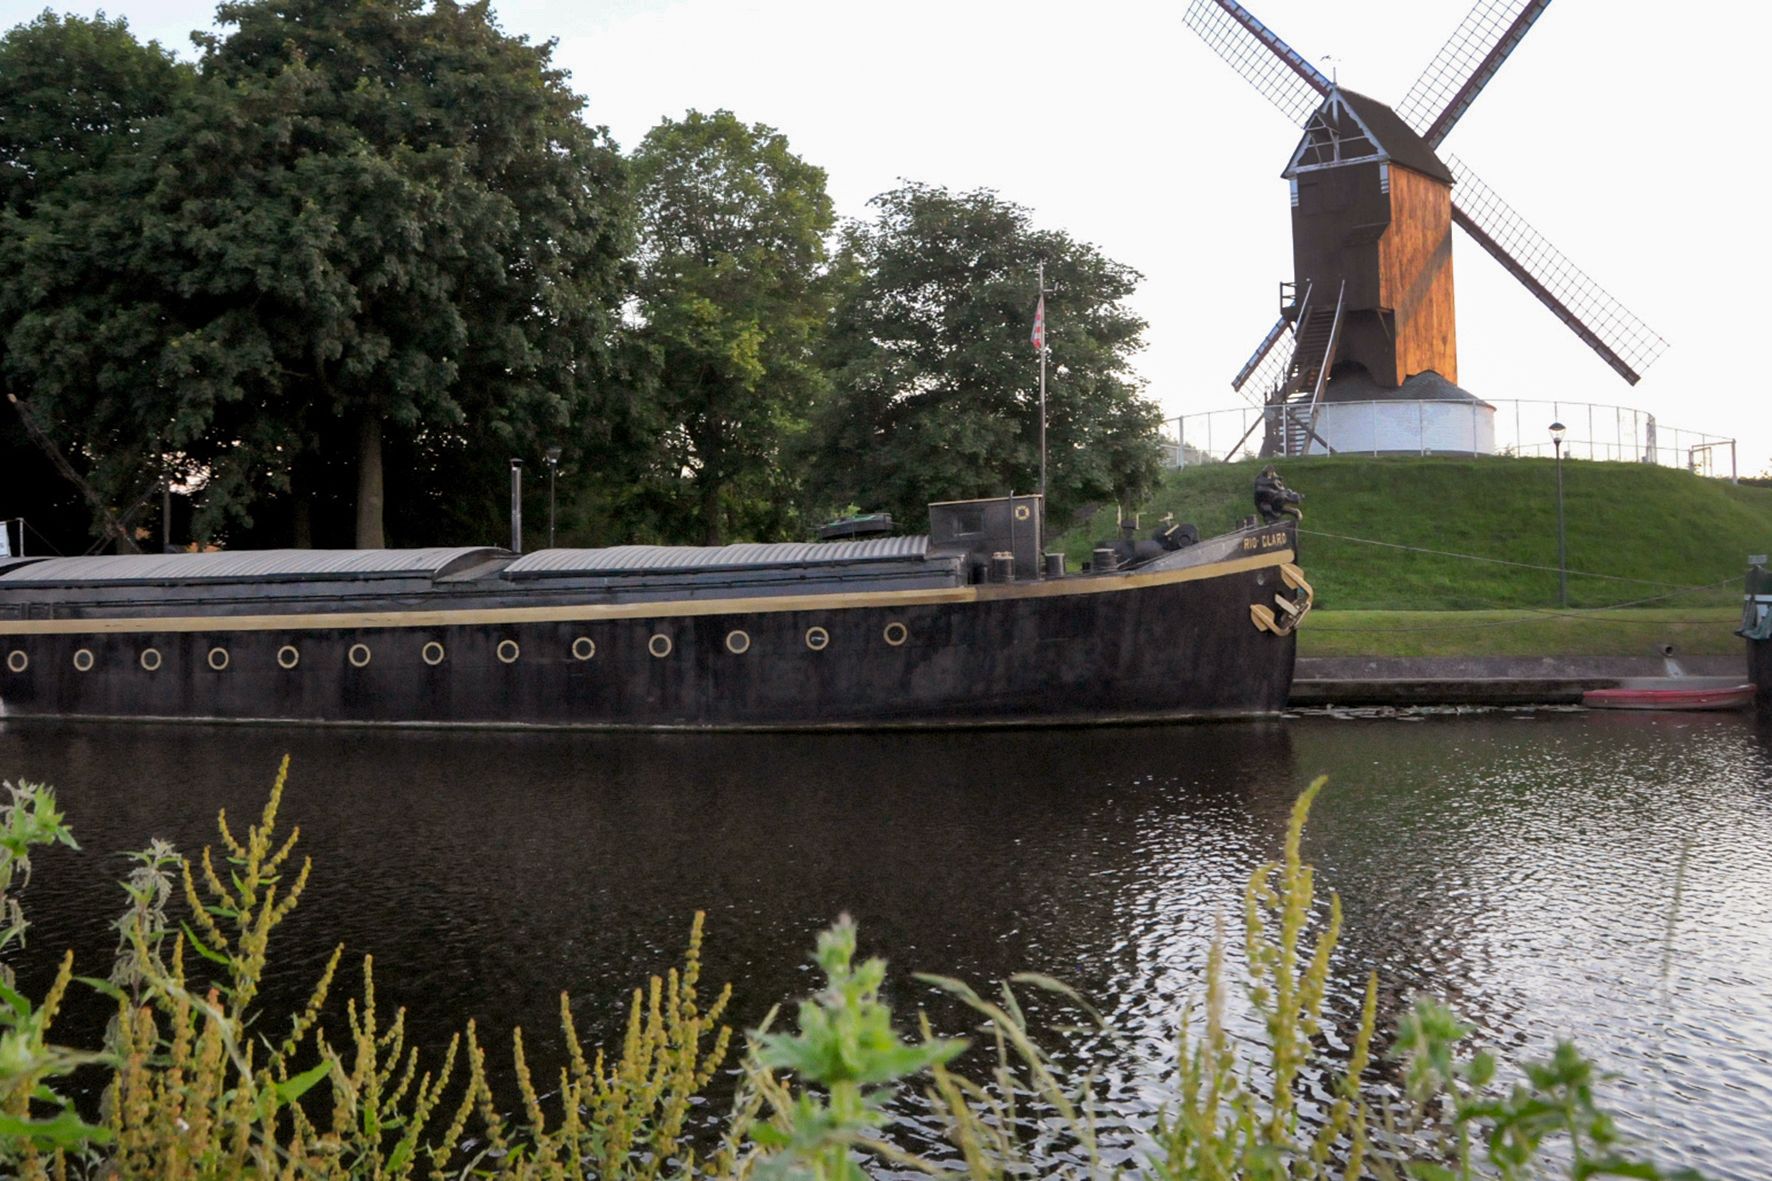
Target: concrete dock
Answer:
pixel 1491 680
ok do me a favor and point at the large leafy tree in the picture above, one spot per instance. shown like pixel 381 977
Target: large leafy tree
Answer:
pixel 376 246
pixel 935 382
pixel 78 100
pixel 731 307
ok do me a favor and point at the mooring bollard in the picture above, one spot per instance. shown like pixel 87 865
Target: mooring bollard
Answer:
pixel 1756 627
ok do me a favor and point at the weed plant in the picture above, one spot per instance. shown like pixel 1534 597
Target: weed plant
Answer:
pixel 201 1084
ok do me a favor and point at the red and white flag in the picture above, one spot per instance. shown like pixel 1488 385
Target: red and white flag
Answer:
pixel 1039 337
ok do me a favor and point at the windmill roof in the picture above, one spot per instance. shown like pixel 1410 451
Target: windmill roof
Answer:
pixel 1397 138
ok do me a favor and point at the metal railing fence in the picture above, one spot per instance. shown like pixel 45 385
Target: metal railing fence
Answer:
pixel 1521 427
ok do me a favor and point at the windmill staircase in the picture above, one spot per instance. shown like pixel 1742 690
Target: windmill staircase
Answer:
pixel 1299 399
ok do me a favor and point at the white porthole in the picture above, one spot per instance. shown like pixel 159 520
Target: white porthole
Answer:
pixel 895 633
pixel 17 660
pixel 659 646
pixel 432 653
pixel 507 651
pixel 818 639
pixel 83 660
pixel 150 659
pixel 584 648
pixel 288 656
pixel 218 658
pixel 738 642
pixel 358 655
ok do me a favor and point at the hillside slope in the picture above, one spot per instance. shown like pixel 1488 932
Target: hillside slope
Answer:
pixel 1660 528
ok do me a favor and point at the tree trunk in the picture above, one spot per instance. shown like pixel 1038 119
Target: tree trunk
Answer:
pixel 304 523
pixel 710 511
pixel 369 485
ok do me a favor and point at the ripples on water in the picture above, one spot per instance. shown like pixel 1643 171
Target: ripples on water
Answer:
pixel 1522 866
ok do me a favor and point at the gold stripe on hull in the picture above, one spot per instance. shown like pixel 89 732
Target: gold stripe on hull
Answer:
pixel 660 609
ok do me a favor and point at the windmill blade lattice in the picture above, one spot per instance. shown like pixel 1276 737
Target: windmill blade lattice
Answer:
pixel 1265 370
pixel 1253 50
pixel 1605 325
pixel 1465 64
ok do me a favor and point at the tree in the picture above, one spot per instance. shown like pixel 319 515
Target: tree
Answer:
pixel 731 305
pixel 77 100
pixel 377 236
pixel 935 382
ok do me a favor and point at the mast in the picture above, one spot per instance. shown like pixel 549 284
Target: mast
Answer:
pixel 107 519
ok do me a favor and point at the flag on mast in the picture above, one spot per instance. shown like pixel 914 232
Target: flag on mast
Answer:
pixel 1039 337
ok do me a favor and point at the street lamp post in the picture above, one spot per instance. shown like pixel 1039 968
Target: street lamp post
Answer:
pixel 1556 434
pixel 552 455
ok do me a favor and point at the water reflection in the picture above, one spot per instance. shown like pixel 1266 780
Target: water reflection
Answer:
pixel 1521 865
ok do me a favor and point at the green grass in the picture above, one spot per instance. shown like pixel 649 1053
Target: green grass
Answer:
pixel 1693 631
pixel 1659 528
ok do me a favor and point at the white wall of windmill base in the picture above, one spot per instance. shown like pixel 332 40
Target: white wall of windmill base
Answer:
pixel 1417 428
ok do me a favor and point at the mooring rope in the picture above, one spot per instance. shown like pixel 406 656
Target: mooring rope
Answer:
pixel 1587 614
pixel 1444 553
pixel 1674 590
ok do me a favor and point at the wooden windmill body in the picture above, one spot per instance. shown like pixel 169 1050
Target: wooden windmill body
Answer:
pixel 1373 206
pixel 1372 229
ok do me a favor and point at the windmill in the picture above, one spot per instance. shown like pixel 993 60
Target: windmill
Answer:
pixel 1373 204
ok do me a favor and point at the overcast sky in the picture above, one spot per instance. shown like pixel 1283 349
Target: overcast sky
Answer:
pixel 1623 130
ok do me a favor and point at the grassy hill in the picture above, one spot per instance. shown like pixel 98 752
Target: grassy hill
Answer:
pixel 1661 528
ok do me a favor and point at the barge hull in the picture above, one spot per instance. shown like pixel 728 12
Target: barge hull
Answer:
pixel 1167 643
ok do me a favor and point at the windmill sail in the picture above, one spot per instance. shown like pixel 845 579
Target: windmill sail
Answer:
pixel 1267 365
pixel 1274 68
pixel 1605 325
pixel 1465 64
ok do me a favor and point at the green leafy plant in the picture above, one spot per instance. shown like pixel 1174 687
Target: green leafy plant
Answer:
pixel 847 1061
pixel 35 1120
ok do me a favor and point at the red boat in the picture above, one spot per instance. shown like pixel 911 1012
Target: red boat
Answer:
pixel 1706 697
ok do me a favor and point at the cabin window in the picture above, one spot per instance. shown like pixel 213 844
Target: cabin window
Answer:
pixel 358 655
pixel 507 651
pixel 432 653
pixel 584 648
pixel 218 659
pixel 1384 178
pixel 18 660
pixel 1295 192
pixel 288 656
pixel 659 646
pixel 895 633
pixel 150 659
pixel 83 660
pixel 818 639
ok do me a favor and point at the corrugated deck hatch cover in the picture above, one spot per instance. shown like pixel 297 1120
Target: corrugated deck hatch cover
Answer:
pixel 240 565
pixel 621 559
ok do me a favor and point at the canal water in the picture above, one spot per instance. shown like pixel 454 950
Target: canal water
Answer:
pixel 1549 874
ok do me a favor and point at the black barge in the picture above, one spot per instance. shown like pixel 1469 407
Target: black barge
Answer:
pixel 970 625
